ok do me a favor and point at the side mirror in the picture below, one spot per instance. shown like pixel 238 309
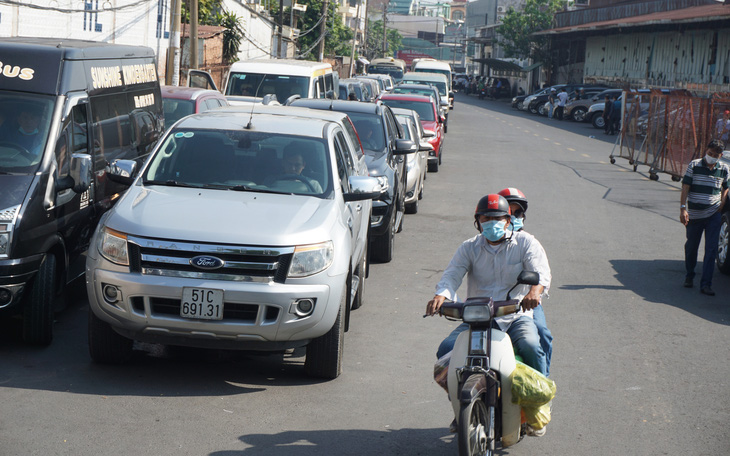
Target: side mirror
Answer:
pixel 363 188
pixel 122 171
pixel 330 95
pixel 429 133
pixel 425 147
pixel 442 119
pixel 404 146
pixel 79 176
pixel 528 278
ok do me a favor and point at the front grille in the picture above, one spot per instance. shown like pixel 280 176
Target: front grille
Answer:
pixel 239 263
pixel 231 311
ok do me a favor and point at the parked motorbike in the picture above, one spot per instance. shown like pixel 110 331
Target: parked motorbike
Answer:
pixel 479 372
pixel 482 93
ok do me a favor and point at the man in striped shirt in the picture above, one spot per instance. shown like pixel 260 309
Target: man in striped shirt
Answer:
pixel 704 194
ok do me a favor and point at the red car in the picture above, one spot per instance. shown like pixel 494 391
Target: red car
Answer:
pixel 431 120
pixel 178 102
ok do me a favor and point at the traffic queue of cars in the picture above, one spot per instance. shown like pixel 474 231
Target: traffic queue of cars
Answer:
pixel 249 226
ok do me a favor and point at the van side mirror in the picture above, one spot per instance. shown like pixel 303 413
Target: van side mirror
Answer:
pixel 79 176
pixel 122 171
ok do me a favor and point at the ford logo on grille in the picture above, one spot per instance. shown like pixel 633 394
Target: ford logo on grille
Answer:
pixel 207 262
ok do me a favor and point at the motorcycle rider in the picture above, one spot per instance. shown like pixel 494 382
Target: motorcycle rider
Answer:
pixel 493 260
pixel 518 208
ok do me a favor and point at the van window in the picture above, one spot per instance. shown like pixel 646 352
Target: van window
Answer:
pixel 254 84
pixel 24 123
pixel 329 83
pixel 79 129
pixel 112 130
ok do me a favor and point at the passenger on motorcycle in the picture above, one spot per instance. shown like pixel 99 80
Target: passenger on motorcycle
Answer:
pixel 518 208
pixel 493 260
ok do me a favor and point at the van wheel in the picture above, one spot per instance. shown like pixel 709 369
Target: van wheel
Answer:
pixel 106 346
pixel 723 250
pixel 324 354
pixel 38 308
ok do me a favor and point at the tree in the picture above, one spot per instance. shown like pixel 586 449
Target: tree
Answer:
pixel 337 36
pixel 518 28
pixel 374 45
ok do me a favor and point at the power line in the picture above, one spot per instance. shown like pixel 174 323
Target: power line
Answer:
pixel 74 10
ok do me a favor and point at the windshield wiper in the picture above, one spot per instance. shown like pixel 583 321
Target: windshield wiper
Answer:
pixel 169 183
pixel 246 188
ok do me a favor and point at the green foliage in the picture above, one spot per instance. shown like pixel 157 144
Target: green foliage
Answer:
pixel 338 36
pixel 518 27
pixel 374 45
pixel 232 36
pixel 208 12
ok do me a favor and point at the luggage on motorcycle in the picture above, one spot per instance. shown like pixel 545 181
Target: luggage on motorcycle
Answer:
pixel 441 371
pixel 537 417
pixel 530 388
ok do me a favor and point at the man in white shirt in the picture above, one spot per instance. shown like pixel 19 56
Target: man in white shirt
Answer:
pixel 493 260
pixel 562 100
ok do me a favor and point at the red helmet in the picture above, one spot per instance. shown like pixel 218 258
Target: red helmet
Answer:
pixel 492 205
pixel 514 195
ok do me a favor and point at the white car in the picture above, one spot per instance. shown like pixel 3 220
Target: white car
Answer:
pixel 416 164
pixel 243 230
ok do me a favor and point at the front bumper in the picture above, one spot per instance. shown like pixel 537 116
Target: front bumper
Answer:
pixel 257 316
pixel 15 273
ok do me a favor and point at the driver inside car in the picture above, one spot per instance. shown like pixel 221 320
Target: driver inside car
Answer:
pixel 25 133
pixel 293 164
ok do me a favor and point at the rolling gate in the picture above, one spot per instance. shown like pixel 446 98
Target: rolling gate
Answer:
pixel 667 131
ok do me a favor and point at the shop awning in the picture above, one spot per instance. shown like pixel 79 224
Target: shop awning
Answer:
pixel 499 65
pixel 529 68
pixel 363 60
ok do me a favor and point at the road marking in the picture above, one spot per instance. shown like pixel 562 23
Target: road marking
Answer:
pixel 526 131
pixel 536 134
pixel 586 155
pixel 557 144
pixel 601 162
pixel 546 139
pixel 571 149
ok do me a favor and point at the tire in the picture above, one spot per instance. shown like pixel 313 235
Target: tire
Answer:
pixel 106 346
pixel 324 354
pixel 474 428
pixel 520 106
pixel 412 208
pixel 542 110
pixel 38 307
pixel 433 167
pixel 723 249
pixel 382 248
pixel 579 114
pixel 598 121
pixel 361 273
pixel 446 128
pixel 533 108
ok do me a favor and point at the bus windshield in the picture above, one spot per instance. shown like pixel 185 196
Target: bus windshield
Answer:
pixel 24 123
pixel 258 85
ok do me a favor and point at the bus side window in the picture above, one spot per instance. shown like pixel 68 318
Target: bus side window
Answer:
pixel 112 129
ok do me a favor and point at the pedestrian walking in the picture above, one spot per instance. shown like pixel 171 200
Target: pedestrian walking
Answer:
pixel 562 100
pixel 552 101
pixel 704 195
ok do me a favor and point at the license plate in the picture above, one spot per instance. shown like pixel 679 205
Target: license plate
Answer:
pixel 202 303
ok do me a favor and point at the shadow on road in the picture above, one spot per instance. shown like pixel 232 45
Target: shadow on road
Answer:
pixel 661 281
pixel 348 442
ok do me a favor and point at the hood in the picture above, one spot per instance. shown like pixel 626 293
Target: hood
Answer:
pixel 221 216
pixel 13 189
pixel 377 162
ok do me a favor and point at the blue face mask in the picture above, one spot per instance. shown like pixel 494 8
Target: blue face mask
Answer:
pixel 517 223
pixel 493 230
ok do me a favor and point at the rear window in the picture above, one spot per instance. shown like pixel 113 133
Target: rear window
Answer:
pixel 176 109
pixel 424 109
pixel 370 130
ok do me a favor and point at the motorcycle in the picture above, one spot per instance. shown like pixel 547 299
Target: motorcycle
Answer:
pixel 479 383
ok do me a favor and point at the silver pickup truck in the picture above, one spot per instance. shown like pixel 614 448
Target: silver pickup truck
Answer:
pixel 245 231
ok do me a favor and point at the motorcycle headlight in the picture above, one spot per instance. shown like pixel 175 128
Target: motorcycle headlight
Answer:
pixel 311 259
pixel 477 314
pixel 113 246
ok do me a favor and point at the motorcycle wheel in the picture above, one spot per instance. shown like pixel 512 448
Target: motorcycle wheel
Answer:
pixel 476 425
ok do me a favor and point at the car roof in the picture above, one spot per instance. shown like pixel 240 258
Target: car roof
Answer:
pixel 280 66
pixel 407 97
pixel 416 86
pixel 292 111
pixel 423 76
pixel 187 93
pixel 340 105
pixel 238 119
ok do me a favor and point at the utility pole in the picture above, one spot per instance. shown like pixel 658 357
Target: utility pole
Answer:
pixel 354 38
pixel 193 34
pixel 323 30
pixel 385 34
pixel 281 27
pixel 172 72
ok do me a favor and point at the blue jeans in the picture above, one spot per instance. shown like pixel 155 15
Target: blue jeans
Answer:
pixel 711 227
pixel 546 337
pixel 524 336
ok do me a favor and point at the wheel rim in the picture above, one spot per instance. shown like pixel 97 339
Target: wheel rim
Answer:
pixel 579 115
pixel 723 245
pixel 600 123
pixel 478 429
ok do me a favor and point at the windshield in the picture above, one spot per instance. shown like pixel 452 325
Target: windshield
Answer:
pixel 254 84
pixel 394 72
pixel 446 73
pixel 370 130
pixel 24 123
pixel 242 160
pixel 176 109
pixel 424 109
pixel 406 89
pixel 440 86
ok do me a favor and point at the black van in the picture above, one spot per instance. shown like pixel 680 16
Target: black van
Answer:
pixel 68 110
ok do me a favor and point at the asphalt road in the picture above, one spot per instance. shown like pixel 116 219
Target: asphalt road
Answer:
pixel 641 363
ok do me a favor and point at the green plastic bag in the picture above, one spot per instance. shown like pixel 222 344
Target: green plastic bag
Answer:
pixel 530 388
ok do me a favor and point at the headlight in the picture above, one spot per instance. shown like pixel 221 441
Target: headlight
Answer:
pixel 4 239
pixel 477 314
pixel 7 219
pixel 383 181
pixel 113 246
pixel 311 259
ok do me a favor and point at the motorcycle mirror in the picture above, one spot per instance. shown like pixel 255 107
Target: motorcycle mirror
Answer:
pixel 528 278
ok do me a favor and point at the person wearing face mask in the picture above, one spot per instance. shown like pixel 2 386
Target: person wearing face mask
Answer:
pixel 704 194
pixel 518 209
pixel 26 134
pixel 492 260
